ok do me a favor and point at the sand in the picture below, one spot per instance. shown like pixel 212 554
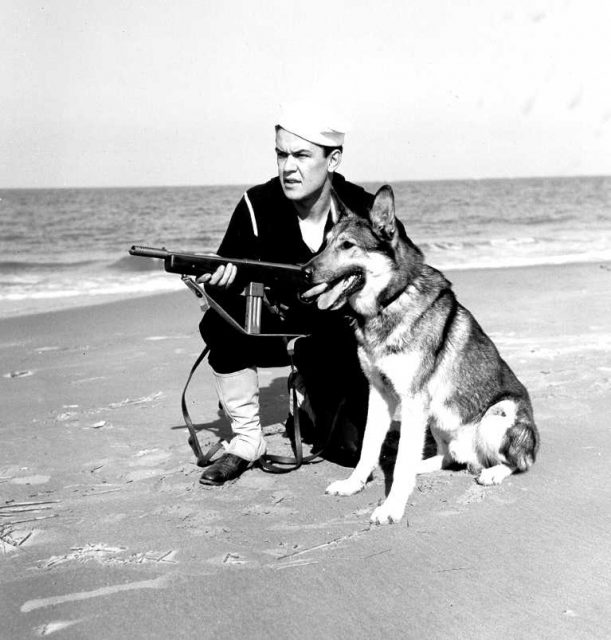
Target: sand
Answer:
pixel 106 533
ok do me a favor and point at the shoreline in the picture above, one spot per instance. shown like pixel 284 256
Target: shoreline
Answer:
pixel 67 303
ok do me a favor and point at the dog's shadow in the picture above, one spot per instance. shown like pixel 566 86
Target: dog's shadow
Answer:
pixel 388 453
pixel 273 401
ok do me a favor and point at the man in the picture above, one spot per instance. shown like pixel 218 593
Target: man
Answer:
pixel 284 220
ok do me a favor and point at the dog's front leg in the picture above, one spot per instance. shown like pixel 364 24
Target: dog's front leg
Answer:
pixel 379 416
pixel 409 455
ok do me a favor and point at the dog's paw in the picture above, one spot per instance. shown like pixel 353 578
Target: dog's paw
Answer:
pixel 346 487
pixel 387 514
pixel 494 475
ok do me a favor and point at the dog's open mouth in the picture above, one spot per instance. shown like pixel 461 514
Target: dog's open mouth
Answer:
pixel 332 295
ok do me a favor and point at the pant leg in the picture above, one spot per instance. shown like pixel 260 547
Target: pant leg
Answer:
pixel 336 386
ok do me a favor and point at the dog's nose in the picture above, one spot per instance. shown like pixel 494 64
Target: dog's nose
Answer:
pixel 307 271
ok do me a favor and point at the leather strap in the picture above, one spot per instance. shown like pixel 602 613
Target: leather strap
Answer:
pixel 203 459
pixel 270 463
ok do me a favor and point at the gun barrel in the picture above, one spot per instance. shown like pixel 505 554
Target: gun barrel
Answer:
pixel 148 252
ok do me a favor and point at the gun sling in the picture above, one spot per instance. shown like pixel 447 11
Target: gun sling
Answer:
pixel 271 463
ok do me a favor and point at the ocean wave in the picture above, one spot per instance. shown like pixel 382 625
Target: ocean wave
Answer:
pixel 444 245
pixel 508 262
pixel 136 264
pixel 90 287
pixel 123 283
pixel 17 266
pixel 455 245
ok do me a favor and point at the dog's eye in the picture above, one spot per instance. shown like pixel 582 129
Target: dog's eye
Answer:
pixel 346 244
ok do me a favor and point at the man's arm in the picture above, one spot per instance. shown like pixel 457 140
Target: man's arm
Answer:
pixel 239 241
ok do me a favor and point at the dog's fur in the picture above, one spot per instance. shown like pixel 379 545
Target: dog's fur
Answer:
pixel 423 350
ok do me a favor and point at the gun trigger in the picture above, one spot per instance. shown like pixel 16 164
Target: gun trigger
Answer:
pixel 193 286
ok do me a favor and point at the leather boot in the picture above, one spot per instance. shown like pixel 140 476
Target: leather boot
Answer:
pixel 227 467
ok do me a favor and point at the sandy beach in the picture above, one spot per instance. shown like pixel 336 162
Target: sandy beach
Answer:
pixel 106 533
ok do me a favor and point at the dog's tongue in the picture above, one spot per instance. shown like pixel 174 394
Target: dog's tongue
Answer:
pixel 324 298
pixel 329 298
pixel 314 291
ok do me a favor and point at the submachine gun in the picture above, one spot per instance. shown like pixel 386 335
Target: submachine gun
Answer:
pixel 256 273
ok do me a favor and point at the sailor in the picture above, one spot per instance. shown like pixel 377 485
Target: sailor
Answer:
pixel 285 220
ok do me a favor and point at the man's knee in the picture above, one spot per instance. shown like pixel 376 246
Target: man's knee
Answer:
pixel 231 350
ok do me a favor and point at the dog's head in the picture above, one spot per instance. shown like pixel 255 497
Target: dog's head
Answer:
pixel 367 261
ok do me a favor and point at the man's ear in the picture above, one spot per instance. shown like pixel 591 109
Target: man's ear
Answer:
pixel 382 214
pixel 334 160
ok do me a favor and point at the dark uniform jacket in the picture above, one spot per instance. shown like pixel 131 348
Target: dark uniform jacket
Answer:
pixel 327 359
pixel 269 230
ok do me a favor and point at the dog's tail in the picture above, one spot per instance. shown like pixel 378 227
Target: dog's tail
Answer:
pixel 521 442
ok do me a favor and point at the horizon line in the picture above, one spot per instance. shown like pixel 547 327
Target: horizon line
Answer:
pixel 368 181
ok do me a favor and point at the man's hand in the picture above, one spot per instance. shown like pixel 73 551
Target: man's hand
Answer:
pixel 223 277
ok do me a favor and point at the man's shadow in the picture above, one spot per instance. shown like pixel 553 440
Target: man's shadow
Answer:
pixel 273 403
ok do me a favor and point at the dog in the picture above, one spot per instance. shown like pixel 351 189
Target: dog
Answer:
pixel 420 349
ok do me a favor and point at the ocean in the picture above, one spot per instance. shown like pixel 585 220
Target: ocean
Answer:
pixel 68 247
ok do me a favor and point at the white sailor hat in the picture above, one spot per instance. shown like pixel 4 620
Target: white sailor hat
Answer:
pixel 312 122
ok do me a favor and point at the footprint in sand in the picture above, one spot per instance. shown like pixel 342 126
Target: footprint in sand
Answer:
pixel 266 510
pixel 149 457
pixel 107 555
pixel 98 552
pixel 232 559
pixel 257 481
pixel 57 625
pixel 18 374
pixel 181 512
pixel 31 480
pixel 67 416
pixel 13 539
pixel 130 401
pixel 99 425
pixel 143 474
pixel 475 493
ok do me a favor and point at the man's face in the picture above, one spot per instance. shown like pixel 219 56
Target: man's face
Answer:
pixel 302 165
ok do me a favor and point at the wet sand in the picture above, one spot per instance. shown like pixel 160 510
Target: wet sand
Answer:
pixel 106 533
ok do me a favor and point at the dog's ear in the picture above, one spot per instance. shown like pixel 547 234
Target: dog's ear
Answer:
pixel 382 214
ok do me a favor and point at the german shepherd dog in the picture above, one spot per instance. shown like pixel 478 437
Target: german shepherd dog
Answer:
pixel 422 350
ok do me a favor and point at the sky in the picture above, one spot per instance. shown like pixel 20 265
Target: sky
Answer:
pixel 155 92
